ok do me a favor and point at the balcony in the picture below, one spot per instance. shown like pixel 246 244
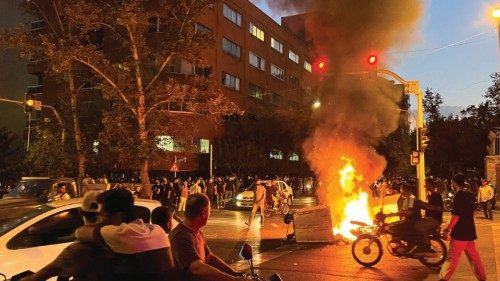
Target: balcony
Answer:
pixel 35 90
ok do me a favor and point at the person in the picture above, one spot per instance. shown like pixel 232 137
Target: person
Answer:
pixel 159 192
pixel 142 250
pixel 408 211
pixel 210 189
pixel 76 259
pixel 231 187
pixel 190 250
pixel 259 199
pixel 163 217
pixel 87 180
pixel 104 180
pixel 183 196
pixel 61 193
pixel 485 196
pixel 221 190
pixel 433 215
pixel 462 231
pixel 195 188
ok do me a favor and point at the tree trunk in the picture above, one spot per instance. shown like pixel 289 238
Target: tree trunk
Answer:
pixel 80 153
pixel 144 173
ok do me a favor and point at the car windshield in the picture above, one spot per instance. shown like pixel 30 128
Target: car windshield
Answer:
pixel 10 223
pixel 30 189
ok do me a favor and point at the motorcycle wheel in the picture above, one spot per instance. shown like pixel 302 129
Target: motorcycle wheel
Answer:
pixel 441 253
pixel 367 250
pixel 285 208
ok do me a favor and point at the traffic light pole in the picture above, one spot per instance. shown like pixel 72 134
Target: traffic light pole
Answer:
pixel 56 114
pixel 412 87
pixel 29 133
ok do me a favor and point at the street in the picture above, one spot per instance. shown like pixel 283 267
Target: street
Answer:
pixel 226 232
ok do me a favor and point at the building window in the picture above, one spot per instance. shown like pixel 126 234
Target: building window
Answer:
pixel 257 32
pixel 200 28
pixel 231 81
pixel 276 154
pixel 293 56
pixel 165 143
pixel 293 81
pixel 95 146
pixel 277 72
pixel 293 157
pixel 232 15
pixel 276 99
pixel 180 66
pixel 255 91
pixel 256 61
pixel 231 48
pixel 204 146
pixel 307 66
pixel 275 44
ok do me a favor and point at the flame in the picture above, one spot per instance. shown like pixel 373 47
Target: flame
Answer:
pixel 356 205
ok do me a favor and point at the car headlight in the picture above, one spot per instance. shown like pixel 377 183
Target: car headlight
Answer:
pixel 239 197
pixel 450 194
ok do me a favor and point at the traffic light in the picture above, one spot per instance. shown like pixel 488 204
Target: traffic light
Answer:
pixel 423 139
pixel 372 59
pixel 321 65
pixel 28 103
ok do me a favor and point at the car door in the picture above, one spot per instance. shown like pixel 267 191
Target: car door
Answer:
pixel 39 241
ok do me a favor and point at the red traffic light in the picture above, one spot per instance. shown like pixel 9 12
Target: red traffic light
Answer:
pixel 372 59
pixel 321 65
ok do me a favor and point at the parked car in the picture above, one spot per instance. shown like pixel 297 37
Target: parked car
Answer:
pixel 31 192
pixel 35 238
pixel 245 198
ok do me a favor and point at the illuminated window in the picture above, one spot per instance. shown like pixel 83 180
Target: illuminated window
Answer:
pixel 95 146
pixel 294 157
pixel 256 61
pixel 165 143
pixel 204 146
pixel 257 32
pixel 307 66
pixel 293 56
pixel 277 45
pixel 255 91
pixel 276 154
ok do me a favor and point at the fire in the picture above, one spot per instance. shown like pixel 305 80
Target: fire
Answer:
pixel 356 205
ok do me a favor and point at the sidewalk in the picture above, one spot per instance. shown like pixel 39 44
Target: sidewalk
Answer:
pixel 298 261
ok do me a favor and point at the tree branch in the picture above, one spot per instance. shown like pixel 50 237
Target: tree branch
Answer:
pixel 154 106
pixel 110 81
pixel 59 19
pixel 160 70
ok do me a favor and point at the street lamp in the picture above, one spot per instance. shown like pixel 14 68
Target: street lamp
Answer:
pixel 496 15
pixel 316 104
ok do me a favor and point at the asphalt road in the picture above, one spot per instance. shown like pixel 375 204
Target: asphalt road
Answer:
pixel 226 232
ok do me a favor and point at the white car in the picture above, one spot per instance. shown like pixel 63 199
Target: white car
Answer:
pixel 245 198
pixel 35 238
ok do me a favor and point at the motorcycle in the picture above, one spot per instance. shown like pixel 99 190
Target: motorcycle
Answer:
pixel 367 249
pixel 283 207
pixel 246 253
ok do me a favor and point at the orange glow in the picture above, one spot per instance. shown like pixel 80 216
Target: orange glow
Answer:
pixel 321 65
pixel 372 59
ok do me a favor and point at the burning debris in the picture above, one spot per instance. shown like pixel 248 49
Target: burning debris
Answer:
pixel 357 111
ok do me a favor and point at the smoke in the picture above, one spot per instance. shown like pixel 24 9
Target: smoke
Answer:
pixel 357 111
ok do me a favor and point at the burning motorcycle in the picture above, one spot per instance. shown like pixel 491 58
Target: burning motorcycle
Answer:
pixel 367 249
